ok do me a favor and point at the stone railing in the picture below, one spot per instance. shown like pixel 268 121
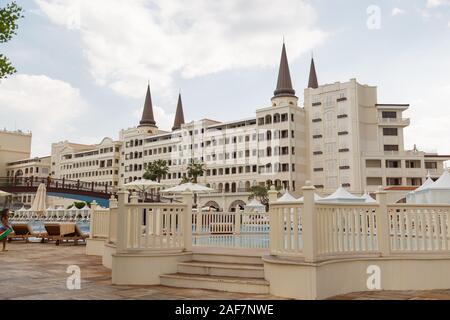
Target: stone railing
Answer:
pixel 150 227
pixel 316 231
pixel 53 215
pixel 231 229
pixel 99 223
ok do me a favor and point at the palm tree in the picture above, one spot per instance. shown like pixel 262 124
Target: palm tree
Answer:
pixel 261 193
pixel 156 170
pixel 195 170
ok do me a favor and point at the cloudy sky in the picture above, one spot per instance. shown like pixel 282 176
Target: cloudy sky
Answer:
pixel 83 65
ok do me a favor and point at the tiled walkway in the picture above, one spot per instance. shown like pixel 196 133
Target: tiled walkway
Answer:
pixel 38 271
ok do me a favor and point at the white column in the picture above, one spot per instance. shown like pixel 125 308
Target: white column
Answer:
pixel 383 235
pixel 309 223
pixel 122 220
pixel 274 231
pixel 187 199
pixel 93 224
pixel 237 220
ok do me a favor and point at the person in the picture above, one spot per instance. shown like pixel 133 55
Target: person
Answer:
pixel 5 228
pixel 49 179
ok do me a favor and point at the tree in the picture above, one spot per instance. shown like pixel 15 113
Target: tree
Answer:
pixel 156 170
pixel 260 193
pixel 185 179
pixel 195 170
pixel 9 17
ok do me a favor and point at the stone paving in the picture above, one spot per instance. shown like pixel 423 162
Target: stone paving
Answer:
pixel 36 271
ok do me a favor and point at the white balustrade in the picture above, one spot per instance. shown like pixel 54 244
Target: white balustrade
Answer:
pixel 419 228
pixel 346 228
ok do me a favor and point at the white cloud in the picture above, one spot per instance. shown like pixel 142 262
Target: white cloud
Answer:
pixel 47 107
pixel 130 42
pixel 397 11
pixel 437 3
pixel 429 128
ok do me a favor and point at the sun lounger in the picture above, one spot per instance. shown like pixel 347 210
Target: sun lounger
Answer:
pixel 61 232
pixel 24 231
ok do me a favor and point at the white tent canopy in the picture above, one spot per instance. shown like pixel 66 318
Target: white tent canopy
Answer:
pixel 432 192
pixel 367 198
pixel 255 205
pixel 341 195
pixel 288 198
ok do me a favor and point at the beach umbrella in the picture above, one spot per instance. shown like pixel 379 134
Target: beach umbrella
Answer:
pixel 142 185
pixel 194 187
pixel 4 194
pixel 39 204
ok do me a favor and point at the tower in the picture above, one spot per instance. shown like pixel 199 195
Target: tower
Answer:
pixel 284 93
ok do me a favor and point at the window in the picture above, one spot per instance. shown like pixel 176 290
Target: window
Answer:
pixel 390 132
pixel 389 114
pixel 394 181
pixel 318 169
pixel 413 164
pixel 430 165
pixel 390 147
pixel 373 163
pixel 393 164
pixel 374 181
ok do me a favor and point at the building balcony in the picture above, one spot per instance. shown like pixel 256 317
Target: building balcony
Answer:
pixel 395 122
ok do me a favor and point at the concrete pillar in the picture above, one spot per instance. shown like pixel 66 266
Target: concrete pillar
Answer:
pixel 122 220
pixel 309 223
pixel 187 199
pixel 383 235
pixel 92 225
pixel 274 232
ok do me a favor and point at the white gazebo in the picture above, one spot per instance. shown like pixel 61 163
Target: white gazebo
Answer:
pixel 255 206
pixel 368 198
pixel 432 192
pixel 341 196
pixel 287 198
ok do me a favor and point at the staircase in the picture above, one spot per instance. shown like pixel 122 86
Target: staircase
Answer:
pixel 221 272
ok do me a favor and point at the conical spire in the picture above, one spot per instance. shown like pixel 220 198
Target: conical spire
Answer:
pixel 313 83
pixel 147 116
pixel 179 116
pixel 284 85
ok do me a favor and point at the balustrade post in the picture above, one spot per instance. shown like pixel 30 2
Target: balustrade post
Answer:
pixel 93 224
pixel 187 199
pixel 134 199
pixel 112 206
pixel 237 220
pixel 309 223
pixel 199 222
pixel 382 223
pixel 274 232
pixel 122 220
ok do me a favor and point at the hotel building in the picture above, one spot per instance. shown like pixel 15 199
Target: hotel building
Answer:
pixel 341 136
pixel 14 146
pixel 87 163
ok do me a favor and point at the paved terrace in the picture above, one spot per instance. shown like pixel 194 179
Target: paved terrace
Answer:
pixel 38 272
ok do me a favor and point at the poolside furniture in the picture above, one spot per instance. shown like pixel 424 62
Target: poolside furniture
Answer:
pixel 61 232
pixel 23 231
pixel 80 233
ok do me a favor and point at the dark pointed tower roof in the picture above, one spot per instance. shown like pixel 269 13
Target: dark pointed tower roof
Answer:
pixel 284 85
pixel 147 116
pixel 179 116
pixel 313 83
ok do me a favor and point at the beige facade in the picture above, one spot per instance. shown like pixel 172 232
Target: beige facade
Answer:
pixel 14 145
pixel 35 167
pixel 87 163
pixel 357 143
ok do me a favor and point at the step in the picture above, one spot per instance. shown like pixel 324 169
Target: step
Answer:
pixel 228 284
pixel 222 269
pixel 227 258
